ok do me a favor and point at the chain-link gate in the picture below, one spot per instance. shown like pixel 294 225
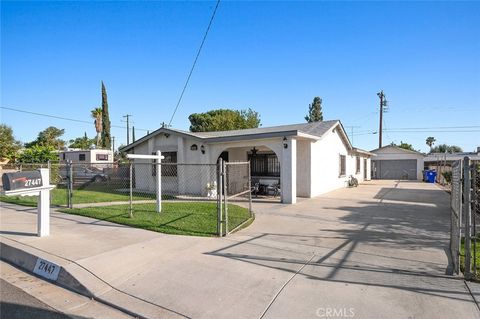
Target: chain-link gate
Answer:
pixel 456 213
pixel 234 185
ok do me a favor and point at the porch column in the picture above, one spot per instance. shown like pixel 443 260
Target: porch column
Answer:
pixel 181 174
pixel 288 172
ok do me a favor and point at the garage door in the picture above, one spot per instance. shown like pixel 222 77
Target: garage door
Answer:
pixel 395 169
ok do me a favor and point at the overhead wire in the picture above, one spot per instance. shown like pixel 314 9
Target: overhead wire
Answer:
pixel 62 117
pixel 194 63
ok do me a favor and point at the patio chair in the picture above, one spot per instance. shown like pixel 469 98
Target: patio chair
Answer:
pixel 275 188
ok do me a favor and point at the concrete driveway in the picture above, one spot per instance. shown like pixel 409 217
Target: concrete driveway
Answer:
pixel 376 251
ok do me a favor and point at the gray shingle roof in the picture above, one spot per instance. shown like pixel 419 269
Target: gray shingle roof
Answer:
pixel 317 129
pixel 314 128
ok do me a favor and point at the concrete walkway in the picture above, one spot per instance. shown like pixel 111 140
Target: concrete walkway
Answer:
pixel 375 251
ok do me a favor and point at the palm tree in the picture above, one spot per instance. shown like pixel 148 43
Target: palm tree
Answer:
pixel 430 141
pixel 97 115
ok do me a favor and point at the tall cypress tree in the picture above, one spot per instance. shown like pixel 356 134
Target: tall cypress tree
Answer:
pixel 315 113
pixel 106 137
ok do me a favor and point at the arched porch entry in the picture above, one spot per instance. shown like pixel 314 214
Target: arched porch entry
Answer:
pixel 271 164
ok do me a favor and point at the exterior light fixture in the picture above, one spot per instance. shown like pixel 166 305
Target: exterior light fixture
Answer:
pixel 167 135
pixel 194 147
pixel 285 144
pixel 202 149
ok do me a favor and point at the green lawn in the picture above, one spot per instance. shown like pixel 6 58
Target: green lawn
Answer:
pixel 182 218
pixel 476 257
pixel 92 194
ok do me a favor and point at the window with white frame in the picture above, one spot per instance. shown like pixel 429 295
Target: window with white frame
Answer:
pixel 357 165
pixel 102 157
pixel 342 165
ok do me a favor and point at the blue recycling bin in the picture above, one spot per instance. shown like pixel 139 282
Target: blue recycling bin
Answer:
pixel 430 176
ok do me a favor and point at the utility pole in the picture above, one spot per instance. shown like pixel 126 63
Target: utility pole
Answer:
pixel 128 127
pixel 383 103
pixel 113 144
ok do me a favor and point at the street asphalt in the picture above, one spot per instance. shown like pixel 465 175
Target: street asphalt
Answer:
pixel 17 304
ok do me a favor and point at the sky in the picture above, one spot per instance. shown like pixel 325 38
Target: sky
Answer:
pixel 273 57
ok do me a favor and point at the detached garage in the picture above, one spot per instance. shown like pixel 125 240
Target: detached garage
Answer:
pixel 393 162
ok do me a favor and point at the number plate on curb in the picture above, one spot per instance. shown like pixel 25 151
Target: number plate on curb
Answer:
pixel 46 269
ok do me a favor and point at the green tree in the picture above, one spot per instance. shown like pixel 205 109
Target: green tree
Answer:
pixel 315 113
pixel 83 142
pixel 9 146
pixel 106 137
pixel 224 120
pixel 96 113
pixel 430 141
pixel 406 146
pixel 49 137
pixel 444 148
pixel 38 154
pixel 120 157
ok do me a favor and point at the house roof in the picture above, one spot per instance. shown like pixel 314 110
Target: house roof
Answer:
pixel 364 152
pixel 314 130
pixel 396 148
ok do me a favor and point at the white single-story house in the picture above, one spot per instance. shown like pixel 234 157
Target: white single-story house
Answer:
pixel 307 159
pixel 393 162
pixel 94 156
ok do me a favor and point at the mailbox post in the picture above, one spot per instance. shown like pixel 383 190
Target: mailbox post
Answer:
pixel 158 180
pixel 33 183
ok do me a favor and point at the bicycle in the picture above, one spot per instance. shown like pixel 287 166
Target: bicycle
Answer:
pixel 352 181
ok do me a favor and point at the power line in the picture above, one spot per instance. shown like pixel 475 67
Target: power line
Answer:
pixel 436 127
pixel 416 131
pixel 60 117
pixel 194 62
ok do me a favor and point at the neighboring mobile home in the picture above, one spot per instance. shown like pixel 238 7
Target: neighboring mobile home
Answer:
pixel 94 156
pixel 307 159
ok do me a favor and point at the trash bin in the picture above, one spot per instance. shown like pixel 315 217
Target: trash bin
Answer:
pixel 431 176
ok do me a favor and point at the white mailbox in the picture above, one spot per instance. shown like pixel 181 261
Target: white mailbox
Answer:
pixel 32 183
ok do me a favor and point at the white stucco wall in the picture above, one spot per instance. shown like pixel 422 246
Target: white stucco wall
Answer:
pixel 325 164
pixel 394 153
pixel 304 171
pixel 352 165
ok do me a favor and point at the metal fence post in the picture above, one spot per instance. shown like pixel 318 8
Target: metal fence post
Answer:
pixel 468 216
pixel 250 192
pixel 219 197
pixel 474 214
pixel 225 196
pixel 159 182
pixel 70 184
pixel 131 190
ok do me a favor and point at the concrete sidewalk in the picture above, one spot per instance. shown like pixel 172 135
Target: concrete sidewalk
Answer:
pixel 375 251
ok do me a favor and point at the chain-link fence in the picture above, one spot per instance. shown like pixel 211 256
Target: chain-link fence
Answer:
pixel 192 198
pixel 465 216
pixel 456 213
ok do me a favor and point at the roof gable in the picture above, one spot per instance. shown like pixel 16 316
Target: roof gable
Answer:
pixel 394 149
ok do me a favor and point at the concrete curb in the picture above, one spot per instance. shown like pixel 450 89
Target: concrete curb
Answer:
pixel 78 279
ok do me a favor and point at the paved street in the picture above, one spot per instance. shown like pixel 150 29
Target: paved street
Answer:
pixel 375 251
pixel 17 304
